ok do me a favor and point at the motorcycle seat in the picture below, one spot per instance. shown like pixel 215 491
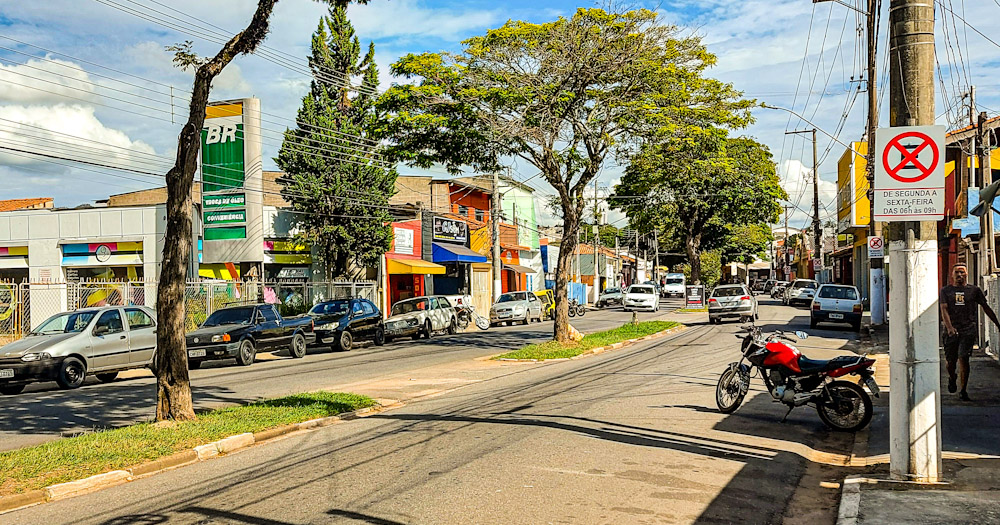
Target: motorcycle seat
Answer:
pixel 811 366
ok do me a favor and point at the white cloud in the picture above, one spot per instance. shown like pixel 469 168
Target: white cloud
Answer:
pixel 43 81
pixel 797 180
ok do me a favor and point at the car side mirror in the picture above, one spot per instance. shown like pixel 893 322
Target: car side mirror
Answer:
pixel 101 330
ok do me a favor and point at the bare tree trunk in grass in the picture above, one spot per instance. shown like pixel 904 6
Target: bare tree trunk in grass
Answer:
pixel 173 385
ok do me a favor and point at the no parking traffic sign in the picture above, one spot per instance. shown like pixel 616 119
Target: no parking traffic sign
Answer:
pixel 909 173
pixel 876 248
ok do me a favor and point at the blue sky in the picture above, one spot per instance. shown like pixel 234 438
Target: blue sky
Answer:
pixel 105 76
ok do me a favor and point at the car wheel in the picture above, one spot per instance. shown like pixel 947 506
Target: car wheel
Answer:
pixel 298 347
pixel 345 341
pixel 194 365
pixel 71 374
pixel 380 338
pixel 108 377
pixel 527 320
pixel 856 326
pixel 428 329
pixel 812 323
pixel 12 390
pixel 452 328
pixel 246 354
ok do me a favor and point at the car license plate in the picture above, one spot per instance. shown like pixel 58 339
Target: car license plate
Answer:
pixel 7 373
pixel 196 353
pixel 836 316
pixel 872 385
pixel 503 314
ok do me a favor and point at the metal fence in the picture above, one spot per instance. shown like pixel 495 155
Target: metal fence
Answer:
pixel 25 305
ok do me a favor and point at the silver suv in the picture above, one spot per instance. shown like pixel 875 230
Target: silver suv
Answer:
pixel 68 347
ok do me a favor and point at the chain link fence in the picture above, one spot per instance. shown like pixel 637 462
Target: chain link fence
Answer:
pixel 25 305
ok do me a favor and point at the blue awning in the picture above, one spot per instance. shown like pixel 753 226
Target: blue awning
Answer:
pixel 454 253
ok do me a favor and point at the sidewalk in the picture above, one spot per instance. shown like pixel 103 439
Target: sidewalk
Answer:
pixel 970 433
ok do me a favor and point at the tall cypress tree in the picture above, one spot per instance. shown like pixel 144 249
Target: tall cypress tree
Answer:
pixel 334 178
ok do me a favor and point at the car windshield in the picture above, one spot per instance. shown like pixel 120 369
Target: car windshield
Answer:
pixel 241 315
pixel 728 291
pixel 675 281
pixel 838 292
pixel 612 290
pixel 641 289
pixel 330 308
pixel 512 297
pixel 67 323
pixel 804 284
pixel 409 306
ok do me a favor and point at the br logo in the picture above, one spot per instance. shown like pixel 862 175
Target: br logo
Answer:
pixel 220 134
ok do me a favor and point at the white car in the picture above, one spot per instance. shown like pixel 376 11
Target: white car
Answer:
pixel 421 317
pixel 837 303
pixel 522 307
pixel 800 291
pixel 641 297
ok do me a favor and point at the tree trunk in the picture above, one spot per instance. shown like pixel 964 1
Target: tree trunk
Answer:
pixel 567 251
pixel 693 248
pixel 173 386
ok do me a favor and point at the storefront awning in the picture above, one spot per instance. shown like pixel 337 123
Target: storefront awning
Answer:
pixel 413 267
pixel 455 253
pixel 518 268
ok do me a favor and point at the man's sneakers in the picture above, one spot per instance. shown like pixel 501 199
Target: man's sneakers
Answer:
pixel 952 387
pixel 964 396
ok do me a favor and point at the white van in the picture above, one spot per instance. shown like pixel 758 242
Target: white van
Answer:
pixel 674 285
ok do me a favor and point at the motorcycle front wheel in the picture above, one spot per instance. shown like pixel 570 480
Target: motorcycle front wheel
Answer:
pixel 846 408
pixel 729 392
pixel 482 323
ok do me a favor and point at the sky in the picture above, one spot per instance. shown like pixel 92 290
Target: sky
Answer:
pixel 77 75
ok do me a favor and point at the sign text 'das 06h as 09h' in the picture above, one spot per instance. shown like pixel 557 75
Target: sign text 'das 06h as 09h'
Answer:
pixel 909 173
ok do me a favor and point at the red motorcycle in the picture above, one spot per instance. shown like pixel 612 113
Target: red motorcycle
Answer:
pixel 796 380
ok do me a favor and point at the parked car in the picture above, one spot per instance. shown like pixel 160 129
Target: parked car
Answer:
pixel 420 317
pixel 768 286
pixel 729 301
pixel 758 286
pixel 69 346
pixel 641 297
pixel 674 285
pixel 610 297
pixel 242 331
pixel 548 303
pixel 342 322
pixel 837 303
pixel 516 306
pixel 800 291
pixel 778 290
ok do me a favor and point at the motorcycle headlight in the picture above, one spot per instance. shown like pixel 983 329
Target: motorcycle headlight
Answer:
pixel 224 338
pixel 35 356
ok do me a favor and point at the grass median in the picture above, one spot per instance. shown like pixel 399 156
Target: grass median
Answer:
pixel 557 350
pixel 78 457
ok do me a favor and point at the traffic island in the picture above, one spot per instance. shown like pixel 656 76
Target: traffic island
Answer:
pixel 71 466
pixel 594 343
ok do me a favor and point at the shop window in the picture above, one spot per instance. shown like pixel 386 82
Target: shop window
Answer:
pixel 463 211
pixel 480 215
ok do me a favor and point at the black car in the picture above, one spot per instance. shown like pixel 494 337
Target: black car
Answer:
pixel 242 331
pixel 341 322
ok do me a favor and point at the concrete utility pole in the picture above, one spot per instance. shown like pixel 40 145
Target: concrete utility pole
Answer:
pixel 788 258
pixel 495 234
pixel 597 250
pixel 876 276
pixel 915 399
pixel 984 140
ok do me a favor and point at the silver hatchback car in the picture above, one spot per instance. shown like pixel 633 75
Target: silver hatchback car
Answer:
pixel 68 347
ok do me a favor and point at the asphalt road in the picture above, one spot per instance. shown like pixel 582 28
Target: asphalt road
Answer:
pixel 627 436
pixel 43 412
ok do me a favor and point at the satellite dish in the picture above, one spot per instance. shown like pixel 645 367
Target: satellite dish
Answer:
pixel 986 196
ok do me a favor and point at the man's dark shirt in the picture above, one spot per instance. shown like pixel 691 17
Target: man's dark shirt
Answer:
pixel 962 304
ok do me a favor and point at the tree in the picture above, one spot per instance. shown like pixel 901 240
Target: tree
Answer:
pixel 562 96
pixel 743 243
pixel 699 186
pixel 334 177
pixel 173 384
pixel 606 234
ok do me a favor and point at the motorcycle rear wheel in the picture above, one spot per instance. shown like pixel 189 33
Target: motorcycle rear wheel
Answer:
pixel 729 392
pixel 848 409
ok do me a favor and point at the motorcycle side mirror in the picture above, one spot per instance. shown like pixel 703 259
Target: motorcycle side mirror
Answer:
pixel 801 335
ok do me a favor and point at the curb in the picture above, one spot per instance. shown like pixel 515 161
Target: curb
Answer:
pixel 204 452
pixel 850 501
pixel 599 349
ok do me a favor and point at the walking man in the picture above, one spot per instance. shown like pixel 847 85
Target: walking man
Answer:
pixel 959 313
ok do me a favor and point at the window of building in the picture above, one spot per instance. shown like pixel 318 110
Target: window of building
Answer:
pixel 479 215
pixel 463 211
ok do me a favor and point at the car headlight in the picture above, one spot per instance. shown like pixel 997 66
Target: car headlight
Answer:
pixel 35 356
pixel 328 326
pixel 224 338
